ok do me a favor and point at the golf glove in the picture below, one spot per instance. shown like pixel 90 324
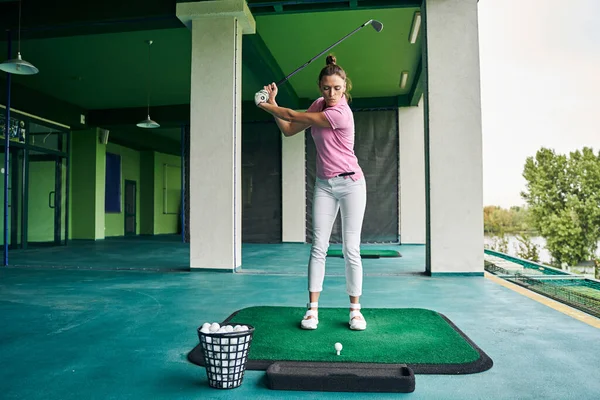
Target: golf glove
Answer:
pixel 261 97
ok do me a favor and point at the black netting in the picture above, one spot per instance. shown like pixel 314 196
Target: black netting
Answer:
pixel 261 182
pixel 376 146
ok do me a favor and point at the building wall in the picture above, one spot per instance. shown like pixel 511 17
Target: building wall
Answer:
pixel 130 170
pixel 167 220
pixel 412 174
pixel 87 173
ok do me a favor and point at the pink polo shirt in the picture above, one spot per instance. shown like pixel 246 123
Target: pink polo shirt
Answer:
pixel 335 145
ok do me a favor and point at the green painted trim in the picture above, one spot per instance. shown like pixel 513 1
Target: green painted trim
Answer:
pixel 526 263
pixel 417 88
pixel 403 100
pixel 444 274
pixel 391 102
pixel 426 134
pixel 259 59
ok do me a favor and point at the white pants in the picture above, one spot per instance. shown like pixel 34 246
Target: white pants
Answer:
pixel 330 196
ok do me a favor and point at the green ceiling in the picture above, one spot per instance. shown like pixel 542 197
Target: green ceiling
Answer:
pixel 372 60
pixel 101 67
pixel 109 71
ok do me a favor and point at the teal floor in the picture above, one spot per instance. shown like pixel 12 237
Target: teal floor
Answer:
pixel 101 333
pixel 168 253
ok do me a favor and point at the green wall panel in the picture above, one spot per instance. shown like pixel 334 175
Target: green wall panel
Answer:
pixel 147 192
pixel 167 193
pixel 88 159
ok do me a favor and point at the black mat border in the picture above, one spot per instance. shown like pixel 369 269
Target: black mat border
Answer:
pixel 367 255
pixel 483 363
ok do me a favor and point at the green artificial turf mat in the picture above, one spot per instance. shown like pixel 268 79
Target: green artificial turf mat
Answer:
pixel 422 339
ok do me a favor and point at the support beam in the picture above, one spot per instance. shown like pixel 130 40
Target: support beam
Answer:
pixel 453 138
pixel 266 7
pixel 44 19
pixel 169 116
pixel 41 105
pixel 144 140
pixel 215 130
pixel 175 115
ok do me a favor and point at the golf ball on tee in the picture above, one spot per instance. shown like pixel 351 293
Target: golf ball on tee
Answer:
pixel 338 348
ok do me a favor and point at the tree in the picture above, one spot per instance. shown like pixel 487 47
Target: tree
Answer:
pixel 563 197
pixel 497 220
pixel 527 249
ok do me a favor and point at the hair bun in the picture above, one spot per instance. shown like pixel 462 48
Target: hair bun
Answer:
pixel 330 60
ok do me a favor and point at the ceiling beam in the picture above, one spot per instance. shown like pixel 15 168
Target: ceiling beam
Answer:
pixel 167 116
pixel 416 90
pixel 259 59
pixel 45 19
pixel 42 105
pixel 266 7
pixel 145 141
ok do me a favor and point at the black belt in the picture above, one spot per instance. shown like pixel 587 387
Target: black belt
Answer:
pixel 346 174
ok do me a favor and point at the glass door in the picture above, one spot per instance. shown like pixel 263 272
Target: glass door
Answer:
pixel 46 208
pixel 15 196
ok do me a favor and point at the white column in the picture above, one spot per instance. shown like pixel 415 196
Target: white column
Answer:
pixel 215 130
pixel 412 175
pixel 453 133
pixel 293 188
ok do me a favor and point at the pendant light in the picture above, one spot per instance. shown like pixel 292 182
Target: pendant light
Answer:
pixel 148 122
pixel 18 66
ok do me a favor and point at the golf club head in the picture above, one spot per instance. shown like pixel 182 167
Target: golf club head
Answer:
pixel 378 26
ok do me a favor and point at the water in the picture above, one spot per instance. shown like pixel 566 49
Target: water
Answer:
pixel 513 246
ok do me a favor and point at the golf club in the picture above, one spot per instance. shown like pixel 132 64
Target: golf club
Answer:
pixel 263 96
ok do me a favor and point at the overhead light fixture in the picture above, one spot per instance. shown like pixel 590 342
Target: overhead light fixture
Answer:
pixel 416 27
pixel 148 122
pixel 403 79
pixel 17 65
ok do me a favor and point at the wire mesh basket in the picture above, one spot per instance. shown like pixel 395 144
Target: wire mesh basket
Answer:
pixel 225 355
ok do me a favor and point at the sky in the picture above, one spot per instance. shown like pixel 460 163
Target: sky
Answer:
pixel 540 86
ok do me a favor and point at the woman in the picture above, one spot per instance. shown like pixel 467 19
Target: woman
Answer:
pixel 340 183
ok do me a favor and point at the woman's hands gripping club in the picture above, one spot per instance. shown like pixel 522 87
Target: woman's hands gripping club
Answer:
pixel 266 95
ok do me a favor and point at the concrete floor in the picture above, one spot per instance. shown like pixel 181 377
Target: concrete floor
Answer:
pixel 70 333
